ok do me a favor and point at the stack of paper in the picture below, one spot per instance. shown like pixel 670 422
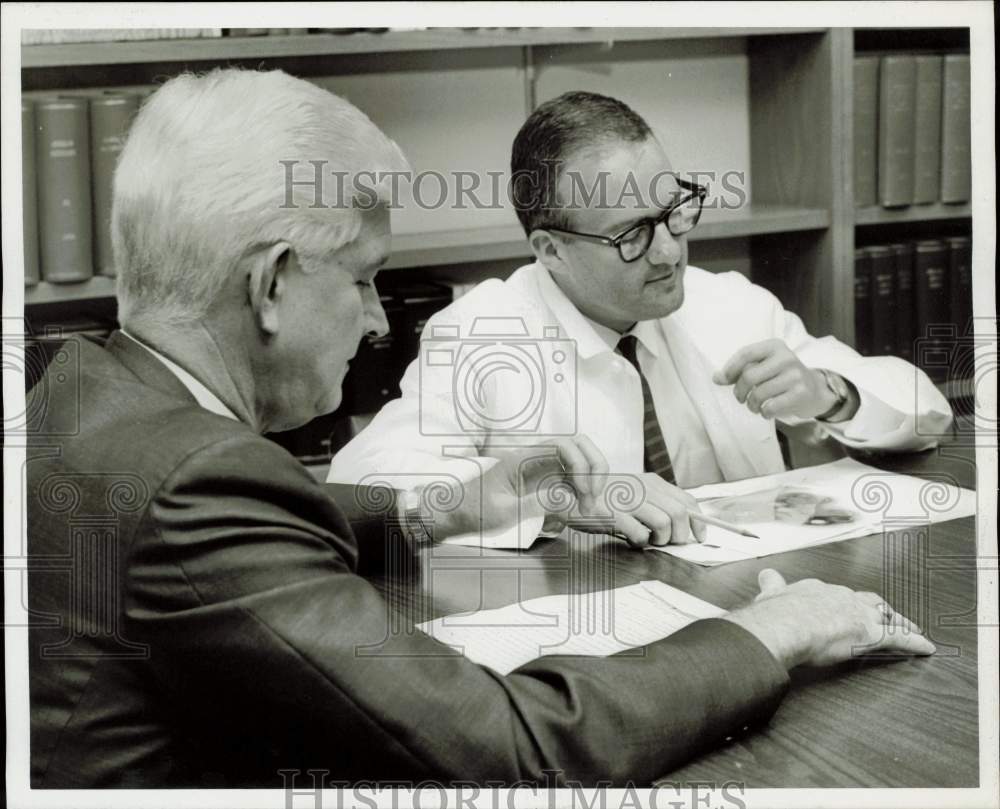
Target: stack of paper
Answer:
pixel 589 624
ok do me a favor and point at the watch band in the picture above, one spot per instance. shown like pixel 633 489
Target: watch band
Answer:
pixel 415 520
pixel 839 389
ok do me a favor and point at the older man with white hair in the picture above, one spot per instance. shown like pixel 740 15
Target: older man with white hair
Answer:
pixel 212 626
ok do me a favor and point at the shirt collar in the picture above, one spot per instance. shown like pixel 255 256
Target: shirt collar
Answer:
pixel 202 395
pixel 591 338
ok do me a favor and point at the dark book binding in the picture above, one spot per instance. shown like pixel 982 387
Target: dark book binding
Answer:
pixel 110 116
pixel 933 294
pixel 906 332
pixel 927 144
pixel 956 129
pixel 960 269
pixel 883 300
pixel 897 110
pixel 862 302
pixel 865 129
pixel 62 156
pixel 29 195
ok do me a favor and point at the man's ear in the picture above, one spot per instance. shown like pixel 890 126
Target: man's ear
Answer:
pixel 267 283
pixel 548 250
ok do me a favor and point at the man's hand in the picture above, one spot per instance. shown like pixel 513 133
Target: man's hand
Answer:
pixel 567 480
pixel 771 380
pixel 640 509
pixel 815 624
pixel 567 472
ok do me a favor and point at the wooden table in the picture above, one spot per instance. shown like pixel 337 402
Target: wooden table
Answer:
pixel 910 722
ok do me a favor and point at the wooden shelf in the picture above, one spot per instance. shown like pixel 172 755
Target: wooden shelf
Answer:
pixel 435 248
pixel 495 244
pixel 935 211
pixel 755 220
pixel 220 49
pixel 92 289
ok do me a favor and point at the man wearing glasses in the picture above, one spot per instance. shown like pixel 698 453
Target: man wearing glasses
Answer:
pixel 673 372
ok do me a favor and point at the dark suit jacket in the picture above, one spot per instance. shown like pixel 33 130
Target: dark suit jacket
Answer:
pixel 199 621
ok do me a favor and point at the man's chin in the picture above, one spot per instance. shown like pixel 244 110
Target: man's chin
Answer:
pixel 329 404
pixel 665 302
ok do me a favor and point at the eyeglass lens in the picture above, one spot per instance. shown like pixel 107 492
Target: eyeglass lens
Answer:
pixel 680 220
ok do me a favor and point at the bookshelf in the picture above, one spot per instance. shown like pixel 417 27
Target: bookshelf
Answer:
pixel 312 45
pixel 874 224
pixel 774 104
pixel 933 212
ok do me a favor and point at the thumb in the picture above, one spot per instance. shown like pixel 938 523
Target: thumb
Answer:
pixel 720 378
pixel 771 582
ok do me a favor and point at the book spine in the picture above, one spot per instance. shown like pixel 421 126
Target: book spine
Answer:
pixel 960 268
pixel 865 129
pixel 932 293
pixel 956 130
pixel 927 130
pixel 29 194
pixel 862 302
pixel 883 300
pixel 62 153
pixel 110 117
pixel 897 110
pixel 902 254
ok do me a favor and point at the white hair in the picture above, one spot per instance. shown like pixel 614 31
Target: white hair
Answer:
pixel 201 179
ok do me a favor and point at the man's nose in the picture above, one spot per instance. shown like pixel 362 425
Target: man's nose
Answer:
pixel 666 248
pixel 376 323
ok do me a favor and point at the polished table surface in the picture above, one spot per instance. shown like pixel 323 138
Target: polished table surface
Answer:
pixel 905 722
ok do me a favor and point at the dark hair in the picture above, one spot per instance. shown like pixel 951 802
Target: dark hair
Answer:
pixel 550 136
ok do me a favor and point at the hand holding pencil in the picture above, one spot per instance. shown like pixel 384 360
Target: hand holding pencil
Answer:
pixel 644 510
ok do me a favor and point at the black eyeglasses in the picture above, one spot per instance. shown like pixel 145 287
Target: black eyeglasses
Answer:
pixel 634 242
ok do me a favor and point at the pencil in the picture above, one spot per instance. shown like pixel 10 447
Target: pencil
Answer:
pixel 697 515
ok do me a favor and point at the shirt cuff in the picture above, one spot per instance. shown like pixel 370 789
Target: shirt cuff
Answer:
pixel 873 418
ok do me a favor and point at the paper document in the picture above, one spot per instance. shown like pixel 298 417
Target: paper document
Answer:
pixel 815 505
pixel 589 624
pixel 519 536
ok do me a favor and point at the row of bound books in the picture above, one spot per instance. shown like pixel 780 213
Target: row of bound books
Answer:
pixel 375 372
pixel 914 300
pixel 912 126
pixel 59 36
pixel 70 146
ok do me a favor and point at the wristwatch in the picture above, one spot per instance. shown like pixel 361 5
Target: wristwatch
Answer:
pixel 838 387
pixel 415 519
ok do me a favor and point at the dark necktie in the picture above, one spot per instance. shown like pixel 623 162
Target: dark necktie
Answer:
pixel 655 458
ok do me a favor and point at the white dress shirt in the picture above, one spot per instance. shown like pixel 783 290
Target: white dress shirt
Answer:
pixel 691 453
pixel 581 387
